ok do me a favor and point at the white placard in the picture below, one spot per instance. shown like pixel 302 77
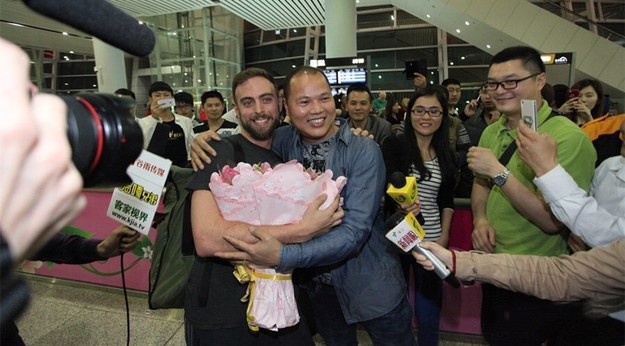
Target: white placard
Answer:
pixel 134 205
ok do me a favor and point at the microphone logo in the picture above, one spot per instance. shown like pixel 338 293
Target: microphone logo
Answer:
pixel 402 189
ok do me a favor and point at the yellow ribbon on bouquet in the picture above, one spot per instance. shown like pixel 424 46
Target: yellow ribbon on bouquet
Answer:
pixel 245 274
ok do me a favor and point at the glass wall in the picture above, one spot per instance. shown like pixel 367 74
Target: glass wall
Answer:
pixel 386 37
pixel 196 51
pixel 62 72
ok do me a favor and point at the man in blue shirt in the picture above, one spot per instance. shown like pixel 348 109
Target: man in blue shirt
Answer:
pixel 351 275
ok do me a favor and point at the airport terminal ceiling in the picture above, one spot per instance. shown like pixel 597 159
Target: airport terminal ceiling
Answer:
pixel 267 15
pixel 36 31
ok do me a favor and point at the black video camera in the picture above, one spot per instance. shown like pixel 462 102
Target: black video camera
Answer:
pixel 104 137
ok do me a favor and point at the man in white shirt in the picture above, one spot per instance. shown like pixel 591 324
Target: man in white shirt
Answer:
pixel 597 217
pixel 165 133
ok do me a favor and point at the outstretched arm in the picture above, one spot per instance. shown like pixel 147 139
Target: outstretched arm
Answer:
pixel 569 203
pixel 588 275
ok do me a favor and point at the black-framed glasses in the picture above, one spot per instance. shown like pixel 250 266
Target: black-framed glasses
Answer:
pixel 507 84
pixel 420 111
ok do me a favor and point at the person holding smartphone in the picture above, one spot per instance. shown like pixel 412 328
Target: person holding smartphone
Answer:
pixel 166 133
pixel 584 101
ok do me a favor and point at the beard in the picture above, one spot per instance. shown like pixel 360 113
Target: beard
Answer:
pixel 259 135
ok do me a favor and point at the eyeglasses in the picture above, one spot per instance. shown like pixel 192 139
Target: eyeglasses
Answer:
pixel 507 84
pixel 182 106
pixel 420 111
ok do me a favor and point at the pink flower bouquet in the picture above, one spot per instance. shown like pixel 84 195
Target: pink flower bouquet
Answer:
pixel 260 195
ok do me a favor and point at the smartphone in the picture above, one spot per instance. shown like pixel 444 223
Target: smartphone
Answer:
pixel 572 93
pixel 419 66
pixel 528 113
pixel 170 102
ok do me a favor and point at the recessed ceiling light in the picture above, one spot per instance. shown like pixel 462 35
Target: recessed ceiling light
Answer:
pixel 467 23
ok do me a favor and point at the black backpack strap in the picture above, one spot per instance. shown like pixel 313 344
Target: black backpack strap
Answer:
pixel 188 244
pixel 505 157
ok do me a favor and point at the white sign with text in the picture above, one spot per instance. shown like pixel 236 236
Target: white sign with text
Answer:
pixel 135 204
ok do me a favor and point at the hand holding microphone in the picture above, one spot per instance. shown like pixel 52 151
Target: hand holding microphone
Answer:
pixel 404 191
pixel 407 233
pixel 405 228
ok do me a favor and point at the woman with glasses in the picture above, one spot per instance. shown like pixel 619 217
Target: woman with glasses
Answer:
pixel 423 152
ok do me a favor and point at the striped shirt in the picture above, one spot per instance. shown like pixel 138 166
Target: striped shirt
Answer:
pixel 428 193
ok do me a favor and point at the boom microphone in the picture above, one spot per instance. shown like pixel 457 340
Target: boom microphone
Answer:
pixel 100 19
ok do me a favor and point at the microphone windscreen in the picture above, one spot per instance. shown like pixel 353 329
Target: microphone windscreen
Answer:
pixel 398 180
pixel 100 19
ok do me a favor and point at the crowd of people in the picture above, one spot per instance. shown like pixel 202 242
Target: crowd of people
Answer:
pixel 548 205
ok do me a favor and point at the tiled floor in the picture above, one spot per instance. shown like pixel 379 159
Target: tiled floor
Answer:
pixel 67 313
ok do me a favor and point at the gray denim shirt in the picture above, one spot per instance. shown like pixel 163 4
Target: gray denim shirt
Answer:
pixel 366 272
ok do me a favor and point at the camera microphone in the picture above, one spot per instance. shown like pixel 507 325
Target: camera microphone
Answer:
pixel 100 19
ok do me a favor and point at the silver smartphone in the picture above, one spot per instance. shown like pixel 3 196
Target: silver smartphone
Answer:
pixel 528 113
pixel 170 102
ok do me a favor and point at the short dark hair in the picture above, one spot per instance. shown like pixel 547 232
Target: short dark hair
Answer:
pixel 125 92
pixel 212 94
pixel 249 73
pixel 301 70
pixel 453 81
pixel 359 87
pixel 530 57
pixel 160 86
pixel 184 98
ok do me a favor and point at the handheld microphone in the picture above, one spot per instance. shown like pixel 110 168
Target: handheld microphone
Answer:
pixel 407 233
pixel 404 190
pixel 100 19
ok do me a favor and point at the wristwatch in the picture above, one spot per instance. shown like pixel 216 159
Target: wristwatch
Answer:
pixel 501 178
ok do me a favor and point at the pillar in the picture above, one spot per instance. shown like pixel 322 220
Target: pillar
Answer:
pixel 340 28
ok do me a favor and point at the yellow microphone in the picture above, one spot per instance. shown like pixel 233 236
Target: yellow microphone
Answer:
pixel 402 189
